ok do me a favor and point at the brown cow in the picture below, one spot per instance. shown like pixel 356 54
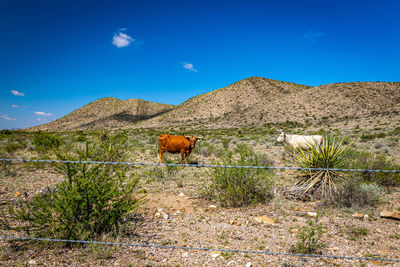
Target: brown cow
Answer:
pixel 177 144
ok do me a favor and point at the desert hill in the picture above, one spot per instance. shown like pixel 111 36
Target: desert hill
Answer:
pixel 258 101
pixel 106 113
pixel 250 102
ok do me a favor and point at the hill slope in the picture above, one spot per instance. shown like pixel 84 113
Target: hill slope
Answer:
pixel 104 113
pixel 258 101
pixel 251 102
pixel 223 107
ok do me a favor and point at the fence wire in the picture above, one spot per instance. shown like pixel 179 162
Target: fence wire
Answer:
pixel 264 252
pixel 196 165
pixel 199 248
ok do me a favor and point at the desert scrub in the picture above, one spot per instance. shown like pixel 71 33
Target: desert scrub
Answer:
pixel 240 186
pixel 103 135
pixel 13 146
pixel 91 200
pixel 80 136
pixel 366 160
pixel 44 141
pixel 327 156
pixel 355 193
pixel 366 137
pixel 6 132
pixel 357 232
pixel 309 238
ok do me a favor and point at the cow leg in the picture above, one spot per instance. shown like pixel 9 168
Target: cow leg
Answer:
pixel 161 153
pixel 186 158
pixel 182 156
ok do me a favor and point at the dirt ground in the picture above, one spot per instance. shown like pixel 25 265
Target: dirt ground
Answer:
pixel 173 214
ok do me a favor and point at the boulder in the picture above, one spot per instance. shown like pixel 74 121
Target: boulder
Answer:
pixel 265 219
pixel 390 215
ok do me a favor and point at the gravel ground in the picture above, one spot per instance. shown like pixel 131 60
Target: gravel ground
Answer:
pixel 192 222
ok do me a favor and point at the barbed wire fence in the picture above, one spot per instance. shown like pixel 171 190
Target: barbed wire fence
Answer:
pixel 7 237
pixel 202 249
pixel 196 165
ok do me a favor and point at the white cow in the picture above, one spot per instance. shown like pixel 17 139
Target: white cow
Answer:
pixel 301 141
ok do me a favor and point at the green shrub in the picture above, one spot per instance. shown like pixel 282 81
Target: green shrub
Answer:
pixel 327 155
pixel 225 142
pixel 366 137
pixel 309 239
pixel 90 201
pixel 11 147
pixel 239 186
pixel 395 131
pixel 366 160
pixel 357 232
pixel 80 136
pixel 103 135
pixel 44 141
pixel 353 193
pixel 346 140
pixel 6 132
pixel 120 137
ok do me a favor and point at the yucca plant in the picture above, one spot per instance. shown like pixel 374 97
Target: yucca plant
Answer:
pixel 327 155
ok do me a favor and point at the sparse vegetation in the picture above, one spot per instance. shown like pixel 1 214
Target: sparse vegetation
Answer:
pixel 355 193
pixel 239 186
pixel 375 145
pixel 5 132
pixel 309 239
pixel 44 141
pixel 91 201
pixel 357 232
pixel 366 160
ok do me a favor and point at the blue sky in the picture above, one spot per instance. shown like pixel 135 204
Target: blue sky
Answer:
pixel 56 56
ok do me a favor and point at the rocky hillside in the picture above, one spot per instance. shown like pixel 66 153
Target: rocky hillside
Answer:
pixel 258 101
pixel 106 113
pixel 250 102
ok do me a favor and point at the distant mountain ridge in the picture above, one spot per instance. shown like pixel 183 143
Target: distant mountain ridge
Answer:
pixel 106 113
pixel 253 102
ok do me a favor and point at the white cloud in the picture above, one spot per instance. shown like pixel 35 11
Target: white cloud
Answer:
pixel 14 106
pixel 121 39
pixel 313 36
pixel 41 113
pixel 189 66
pixel 5 117
pixel 15 92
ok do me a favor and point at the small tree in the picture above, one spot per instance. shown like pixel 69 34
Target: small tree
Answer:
pixel 91 200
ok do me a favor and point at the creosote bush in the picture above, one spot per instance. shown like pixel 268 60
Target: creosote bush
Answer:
pixel 91 200
pixel 239 186
pixel 44 141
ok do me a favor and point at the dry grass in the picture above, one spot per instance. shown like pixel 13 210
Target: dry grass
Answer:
pixel 196 224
